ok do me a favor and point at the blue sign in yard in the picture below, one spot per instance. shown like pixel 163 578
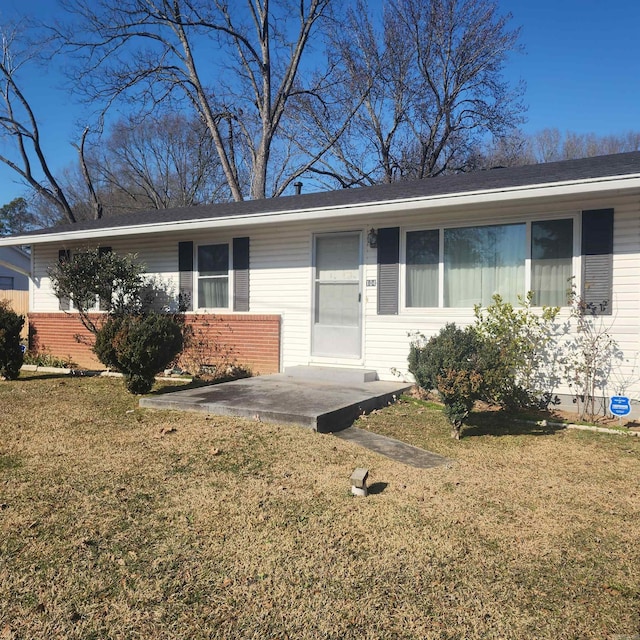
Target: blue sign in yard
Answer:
pixel 619 405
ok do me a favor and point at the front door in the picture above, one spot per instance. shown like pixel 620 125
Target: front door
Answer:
pixel 337 313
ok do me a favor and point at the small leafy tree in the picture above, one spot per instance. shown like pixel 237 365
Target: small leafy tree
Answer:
pixel 128 337
pixel 451 363
pixel 91 276
pixel 139 346
pixel 10 351
pixel 524 341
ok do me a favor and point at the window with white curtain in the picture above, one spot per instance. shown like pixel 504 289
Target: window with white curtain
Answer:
pixel 213 276
pixel 475 263
pixel 551 261
pixel 482 261
pixel 423 264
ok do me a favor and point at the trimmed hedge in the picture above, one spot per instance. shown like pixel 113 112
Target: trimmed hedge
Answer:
pixel 139 346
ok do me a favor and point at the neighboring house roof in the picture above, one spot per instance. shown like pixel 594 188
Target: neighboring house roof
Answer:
pixel 445 189
pixel 15 259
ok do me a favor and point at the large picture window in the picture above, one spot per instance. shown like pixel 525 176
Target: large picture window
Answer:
pixel 475 263
pixel 213 276
pixel 482 261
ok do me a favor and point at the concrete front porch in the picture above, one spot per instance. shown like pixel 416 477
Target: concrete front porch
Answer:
pixel 325 399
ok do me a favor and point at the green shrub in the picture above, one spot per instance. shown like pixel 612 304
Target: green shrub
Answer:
pixel 104 346
pixel 520 352
pixel 139 346
pixel 451 363
pixel 10 350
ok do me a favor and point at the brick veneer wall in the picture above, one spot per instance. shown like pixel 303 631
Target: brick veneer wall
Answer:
pixel 242 339
pixel 251 340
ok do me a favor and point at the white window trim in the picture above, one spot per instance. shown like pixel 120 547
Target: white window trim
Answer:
pixel 527 220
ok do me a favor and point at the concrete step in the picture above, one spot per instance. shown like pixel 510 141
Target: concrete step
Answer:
pixel 339 375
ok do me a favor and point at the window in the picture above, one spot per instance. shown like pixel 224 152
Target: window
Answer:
pixel 482 261
pixel 423 264
pixel 551 260
pixel 213 276
pixel 6 283
pixel 475 263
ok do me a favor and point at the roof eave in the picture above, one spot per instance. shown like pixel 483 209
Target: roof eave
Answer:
pixel 620 184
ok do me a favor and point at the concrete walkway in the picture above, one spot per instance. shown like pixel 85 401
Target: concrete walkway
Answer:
pixel 392 448
pixel 325 399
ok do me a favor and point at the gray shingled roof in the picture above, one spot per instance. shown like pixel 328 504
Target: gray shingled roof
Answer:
pixel 490 180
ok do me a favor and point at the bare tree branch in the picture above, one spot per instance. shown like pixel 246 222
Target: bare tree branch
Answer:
pixel 18 124
pixel 238 66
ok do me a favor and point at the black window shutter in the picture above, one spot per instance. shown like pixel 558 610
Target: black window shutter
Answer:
pixel 388 270
pixel 185 281
pixel 241 274
pixel 103 304
pixel 597 260
pixel 64 304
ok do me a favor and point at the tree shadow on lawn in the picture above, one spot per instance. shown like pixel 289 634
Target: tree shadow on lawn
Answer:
pixel 499 423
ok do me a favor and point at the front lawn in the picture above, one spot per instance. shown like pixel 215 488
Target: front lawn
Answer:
pixel 118 522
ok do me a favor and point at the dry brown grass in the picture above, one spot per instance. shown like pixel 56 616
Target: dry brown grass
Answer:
pixel 114 526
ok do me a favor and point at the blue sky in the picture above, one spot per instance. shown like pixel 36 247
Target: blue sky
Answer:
pixel 581 66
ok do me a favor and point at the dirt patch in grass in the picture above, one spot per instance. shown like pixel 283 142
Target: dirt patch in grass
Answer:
pixel 117 522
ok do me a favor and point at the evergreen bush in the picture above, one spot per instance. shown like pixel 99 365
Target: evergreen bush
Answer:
pixel 451 363
pixel 139 346
pixel 11 354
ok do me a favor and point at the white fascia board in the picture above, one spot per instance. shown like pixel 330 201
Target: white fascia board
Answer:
pixel 592 186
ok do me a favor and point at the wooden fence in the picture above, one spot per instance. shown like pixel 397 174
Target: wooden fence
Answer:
pixel 19 301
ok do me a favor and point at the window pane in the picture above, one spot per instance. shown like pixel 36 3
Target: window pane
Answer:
pixel 337 304
pixel 551 261
pixel 423 248
pixel 213 293
pixel 213 260
pixel 482 261
pixel 338 257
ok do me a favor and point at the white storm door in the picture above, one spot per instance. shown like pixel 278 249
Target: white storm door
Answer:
pixel 337 309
